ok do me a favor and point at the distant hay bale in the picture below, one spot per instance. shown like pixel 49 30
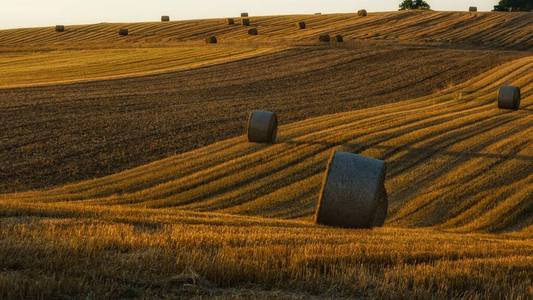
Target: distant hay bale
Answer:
pixel 165 18
pixel 339 38
pixel 230 21
pixel 123 32
pixel 252 31
pixel 324 37
pixel 353 192
pixel 318 14
pixel 211 40
pixel 245 22
pixel 60 28
pixel 262 127
pixel 472 9
pixel 509 97
pixel 362 13
pixel 244 15
pixel 301 25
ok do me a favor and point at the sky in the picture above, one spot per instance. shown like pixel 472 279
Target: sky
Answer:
pixel 35 13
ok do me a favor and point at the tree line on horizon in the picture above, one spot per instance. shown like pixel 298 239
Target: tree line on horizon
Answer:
pixel 503 5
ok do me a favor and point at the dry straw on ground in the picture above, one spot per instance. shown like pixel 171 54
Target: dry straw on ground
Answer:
pixel 353 192
pixel 165 18
pixel 509 97
pixel 262 127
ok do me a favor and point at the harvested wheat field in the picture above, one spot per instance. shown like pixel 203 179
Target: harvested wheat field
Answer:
pixel 126 171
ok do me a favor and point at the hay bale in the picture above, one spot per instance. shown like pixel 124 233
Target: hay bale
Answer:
pixel 362 13
pixel 324 37
pixel 123 32
pixel 252 31
pixel 262 127
pixel 472 9
pixel 211 40
pixel 353 192
pixel 244 15
pixel 246 22
pixel 339 38
pixel 230 21
pixel 301 25
pixel 60 28
pixel 318 14
pixel 165 19
pixel 509 97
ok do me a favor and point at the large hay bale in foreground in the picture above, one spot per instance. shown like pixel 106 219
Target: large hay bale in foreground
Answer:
pixel 211 40
pixel 253 31
pixel 262 127
pixel 300 25
pixel 244 15
pixel 165 19
pixel 509 97
pixel 472 9
pixel 230 21
pixel 353 192
pixel 362 13
pixel 324 37
pixel 60 28
pixel 339 38
pixel 123 32
pixel 246 22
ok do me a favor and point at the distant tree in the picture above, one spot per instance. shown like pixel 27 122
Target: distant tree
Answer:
pixel 414 4
pixel 514 5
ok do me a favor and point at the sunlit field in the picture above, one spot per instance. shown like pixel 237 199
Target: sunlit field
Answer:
pixel 125 171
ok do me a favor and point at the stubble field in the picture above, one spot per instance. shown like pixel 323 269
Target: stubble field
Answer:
pixel 125 174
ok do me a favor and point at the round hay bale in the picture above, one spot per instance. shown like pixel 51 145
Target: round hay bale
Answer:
pixel 211 40
pixel 472 9
pixel 60 28
pixel 165 19
pixel 300 25
pixel 324 37
pixel 353 192
pixel 318 14
pixel 244 15
pixel 262 127
pixel 230 21
pixel 509 97
pixel 339 38
pixel 246 22
pixel 362 13
pixel 253 31
pixel 123 32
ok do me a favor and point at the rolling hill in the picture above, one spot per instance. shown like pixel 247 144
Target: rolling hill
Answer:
pixel 485 30
pixel 441 150
pixel 194 224
pixel 102 103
